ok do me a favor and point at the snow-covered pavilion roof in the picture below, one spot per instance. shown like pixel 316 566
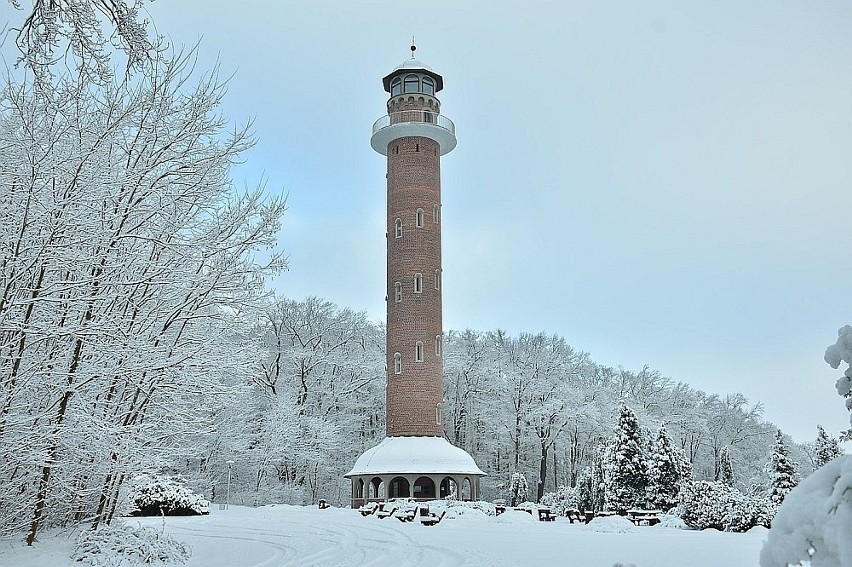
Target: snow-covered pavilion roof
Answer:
pixel 415 455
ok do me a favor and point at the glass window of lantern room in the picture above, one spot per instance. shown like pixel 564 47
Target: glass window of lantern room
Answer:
pixel 418 351
pixel 419 218
pixel 396 86
pixel 428 85
pixel 398 228
pixel 397 363
pixel 412 83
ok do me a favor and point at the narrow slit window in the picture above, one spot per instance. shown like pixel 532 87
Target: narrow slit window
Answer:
pixel 418 351
pixel 436 213
pixel 439 413
pixel 437 345
pixel 397 363
pixel 418 283
pixel 397 292
pixel 437 279
pixel 418 217
pixel 398 229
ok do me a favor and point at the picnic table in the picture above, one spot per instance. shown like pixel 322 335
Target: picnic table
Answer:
pixel 644 517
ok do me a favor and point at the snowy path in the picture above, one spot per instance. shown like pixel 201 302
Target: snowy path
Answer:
pixel 293 536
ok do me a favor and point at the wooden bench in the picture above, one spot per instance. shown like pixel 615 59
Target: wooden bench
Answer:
pixel 322 504
pixel 545 514
pixel 575 515
pixel 644 517
pixel 499 509
pixel 430 519
pixel 385 509
pixel 368 508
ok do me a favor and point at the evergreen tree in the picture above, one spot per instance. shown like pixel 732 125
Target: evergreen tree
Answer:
pixel 782 472
pixel 627 471
pixel 518 489
pixel 726 470
pixel 668 467
pixel 826 448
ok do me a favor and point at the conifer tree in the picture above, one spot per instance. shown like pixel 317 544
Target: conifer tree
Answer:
pixel 826 449
pixel 627 471
pixel 667 469
pixel 726 470
pixel 518 489
pixel 782 472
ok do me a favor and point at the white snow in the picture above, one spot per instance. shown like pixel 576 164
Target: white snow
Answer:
pixel 423 455
pixel 295 536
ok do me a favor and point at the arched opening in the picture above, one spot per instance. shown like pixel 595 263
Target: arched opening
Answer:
pixel 399 488
pixel 397 363
pixel 398 228
pixel 467 489
pixel 424 487
pixel 376 488
pixel 359 488
pixel 448 488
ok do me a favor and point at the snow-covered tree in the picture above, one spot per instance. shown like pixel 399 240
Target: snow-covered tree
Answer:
pixel 626 466
pixel 129 267
pixel 76 27
pixel 712 504
pixel 839 352
pixel 726 469
pixel 667 469
pixel 826 448
pixel 518 489
pixel 782 471
pixel 564 498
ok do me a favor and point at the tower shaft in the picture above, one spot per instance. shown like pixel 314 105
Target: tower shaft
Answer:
pixel 414 307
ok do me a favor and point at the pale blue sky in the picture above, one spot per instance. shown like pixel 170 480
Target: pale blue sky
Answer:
pixel 662 183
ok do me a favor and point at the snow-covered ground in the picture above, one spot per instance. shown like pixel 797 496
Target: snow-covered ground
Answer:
pixel 296 536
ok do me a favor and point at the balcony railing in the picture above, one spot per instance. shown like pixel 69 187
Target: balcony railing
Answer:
pixel 412 116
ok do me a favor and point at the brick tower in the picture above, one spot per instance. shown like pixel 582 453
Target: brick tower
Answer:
pixel 414 460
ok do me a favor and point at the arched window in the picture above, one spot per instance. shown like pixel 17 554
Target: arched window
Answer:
pixel 397 292
pixel 396 86
pixel 418 351
pixel 412 83
pixel 418 217
pixel 418 283
pixel 439 413
pixel 437 345
pixel 436 213
pixel 437 279
pixel 397 363
pixel 398 229
pixel 428 85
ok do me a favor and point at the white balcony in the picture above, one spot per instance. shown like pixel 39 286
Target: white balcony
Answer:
pixel 421 123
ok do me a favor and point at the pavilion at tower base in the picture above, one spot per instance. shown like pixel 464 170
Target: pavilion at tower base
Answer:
pixel 423 468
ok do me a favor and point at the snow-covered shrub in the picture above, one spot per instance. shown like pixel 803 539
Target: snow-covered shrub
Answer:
pixel 610 525
pixel 518 489
pixel 710 504
pixel 815 520
pixel 167 495
pixel 121 545
pixel 826 448
pixel 563 499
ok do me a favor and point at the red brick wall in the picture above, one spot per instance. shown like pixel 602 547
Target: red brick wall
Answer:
pixel 414 181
